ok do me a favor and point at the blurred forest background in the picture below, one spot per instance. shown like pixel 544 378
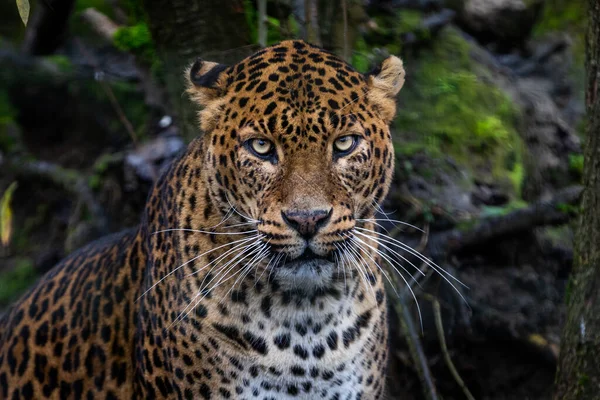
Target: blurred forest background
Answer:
pixel 487 138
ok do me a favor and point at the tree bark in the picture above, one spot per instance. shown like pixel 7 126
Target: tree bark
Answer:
pixel 183 30
pixel 578 375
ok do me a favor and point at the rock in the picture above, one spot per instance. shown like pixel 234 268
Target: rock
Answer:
pixel 147 161
pixel 505 22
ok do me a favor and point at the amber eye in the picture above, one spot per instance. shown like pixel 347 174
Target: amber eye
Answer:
pixel 345 144
pixel 261 147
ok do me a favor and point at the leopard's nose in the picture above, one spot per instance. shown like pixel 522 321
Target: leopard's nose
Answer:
pixel 306 222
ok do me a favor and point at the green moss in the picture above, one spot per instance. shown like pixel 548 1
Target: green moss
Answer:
pixel 16 280
pixel 568 208
pixel 63 63
pixel 100 168
pixel 134 10
pixel 567 16
pixel 576 164
pixel 103 6
pixel 137 40
pixel 409 21
pixel 583 380
pixel 450 109
pixel 392 28
pixel 492 211
pixel 562 15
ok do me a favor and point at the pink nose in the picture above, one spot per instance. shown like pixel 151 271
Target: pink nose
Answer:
pixel 306 222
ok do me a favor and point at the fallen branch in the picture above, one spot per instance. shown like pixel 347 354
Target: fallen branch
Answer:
pixel 541 213
pixel 441 337
pixel 67 179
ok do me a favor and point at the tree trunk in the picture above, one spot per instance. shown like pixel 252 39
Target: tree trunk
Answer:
pixel 183 30
pixel 578 375
pixel 48 27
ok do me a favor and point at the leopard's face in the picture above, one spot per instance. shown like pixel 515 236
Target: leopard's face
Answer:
pixel 298 143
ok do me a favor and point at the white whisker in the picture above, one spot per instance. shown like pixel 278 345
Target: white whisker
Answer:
pixel 401 276
pixel 395 242
pixel 206 232
pixel 362 269
pixel 193 259
pixel 394 221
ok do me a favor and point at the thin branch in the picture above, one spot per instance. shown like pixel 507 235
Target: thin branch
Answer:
pixel 540 213
pixel 442 339
pixel 262 23
pixel 110 94
pixel 345 53
pixel 415 348
pixel 100 23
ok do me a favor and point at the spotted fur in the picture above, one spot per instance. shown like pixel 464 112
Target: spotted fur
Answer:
pixel 135 315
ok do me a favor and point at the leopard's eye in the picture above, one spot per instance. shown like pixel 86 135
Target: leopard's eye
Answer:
pixel 262 147
pixel 345 144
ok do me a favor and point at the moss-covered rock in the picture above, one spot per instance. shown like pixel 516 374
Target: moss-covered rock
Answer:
pixel 450 107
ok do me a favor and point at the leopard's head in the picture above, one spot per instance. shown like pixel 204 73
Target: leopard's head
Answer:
pixel 297 141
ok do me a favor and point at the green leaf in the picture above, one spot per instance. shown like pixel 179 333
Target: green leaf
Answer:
pixel 6 214
pixel 23 6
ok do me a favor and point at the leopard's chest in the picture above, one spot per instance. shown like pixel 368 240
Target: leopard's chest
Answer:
pixel 301 349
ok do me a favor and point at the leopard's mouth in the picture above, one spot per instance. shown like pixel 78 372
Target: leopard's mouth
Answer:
pixel 309 270
pixel 308 259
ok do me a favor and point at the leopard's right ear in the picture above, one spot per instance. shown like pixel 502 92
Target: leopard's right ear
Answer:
pixel 206 81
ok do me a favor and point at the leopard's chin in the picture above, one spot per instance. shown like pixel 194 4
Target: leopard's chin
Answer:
pixel 306 272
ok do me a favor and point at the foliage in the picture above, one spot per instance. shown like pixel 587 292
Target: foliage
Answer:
pixel 273 25
pixel 16 280
pixel 23 6
pixel 6 215
pixel 361 57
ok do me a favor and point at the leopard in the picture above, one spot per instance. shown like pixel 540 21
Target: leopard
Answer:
pixel 248 276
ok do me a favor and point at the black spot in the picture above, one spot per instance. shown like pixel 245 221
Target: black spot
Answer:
pixel 261 87
pixel 333 104
pixel 256 342
pixel 282 341
pixel 319 351
pixel 265 306
pixel 297 370
pixel 332 340
pixel 272 105
pixel 205 391
pixel 300 352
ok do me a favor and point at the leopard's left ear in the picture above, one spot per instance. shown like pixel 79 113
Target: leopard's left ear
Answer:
pixel 206 81
pixel 384 84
